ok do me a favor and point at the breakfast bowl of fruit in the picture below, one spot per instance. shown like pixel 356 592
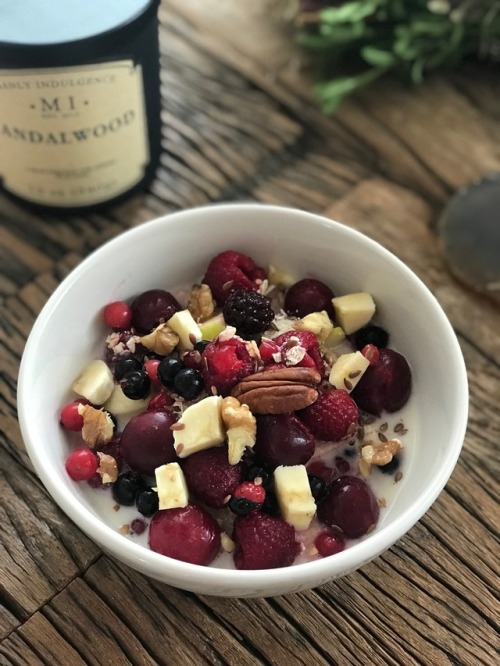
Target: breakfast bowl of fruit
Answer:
pixel 243 400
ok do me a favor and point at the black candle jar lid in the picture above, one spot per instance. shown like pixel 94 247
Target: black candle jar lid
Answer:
pixel 83 31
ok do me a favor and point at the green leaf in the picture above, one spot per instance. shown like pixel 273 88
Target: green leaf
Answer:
pixel 333 92
pixel 350 12
pixel 378 57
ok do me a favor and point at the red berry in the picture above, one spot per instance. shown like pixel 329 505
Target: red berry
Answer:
pixel 231 271
pixel 350 506
pixel 224 364
pixel 70 418
pixel 189 534
pixel 329 543
pixel 210 476
pixel 263 542
pixel 254 492
pixel 81 464
pixel 151 367
pixel 308 295
pixel 307 341
pixel 385 385
pixel 161 402
pixel 147 441
pixel 192 359
pixel 137 526
pixel 282 439
pixel 118 315
pixel 332 416
pixel 267 349
pixel 371 353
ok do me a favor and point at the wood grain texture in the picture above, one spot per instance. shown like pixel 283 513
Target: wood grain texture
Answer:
pixel 240 124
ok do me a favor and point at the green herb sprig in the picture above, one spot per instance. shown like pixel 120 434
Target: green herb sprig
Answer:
pixel 360 40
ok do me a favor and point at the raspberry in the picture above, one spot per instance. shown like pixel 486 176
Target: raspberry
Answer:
pixel 384 385
pixel 248 311
pixel 306 340
pixel 189 534
pixel 331 416
pixel 224 364
pixel 232 271
pixel 263 542
pixel 308 295
pixel 210 476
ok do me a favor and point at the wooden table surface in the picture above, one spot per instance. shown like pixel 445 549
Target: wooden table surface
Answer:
pixel 240 124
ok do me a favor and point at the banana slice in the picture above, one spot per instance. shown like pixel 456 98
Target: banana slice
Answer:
pixel 353 311
pixel 171 486
pixel 119 405
pixel 186 328
pixel 95 383
pixel 348 370
pixel 203 427
pixel 294 496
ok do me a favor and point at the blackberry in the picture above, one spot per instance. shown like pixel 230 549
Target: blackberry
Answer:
pixel 248 311
pixel 371 335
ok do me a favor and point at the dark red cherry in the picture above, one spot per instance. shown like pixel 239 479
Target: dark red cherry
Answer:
pixel 308 295
pixel 147 441
pixel 152 307
pixel 349 505
pixel 282 439
pixel 385 385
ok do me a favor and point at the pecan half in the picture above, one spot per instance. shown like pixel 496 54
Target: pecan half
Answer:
pixel 278 391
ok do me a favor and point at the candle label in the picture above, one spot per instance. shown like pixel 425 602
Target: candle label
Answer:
pixel 73 136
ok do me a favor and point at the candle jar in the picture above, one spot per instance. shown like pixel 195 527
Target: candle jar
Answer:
pixel 79 101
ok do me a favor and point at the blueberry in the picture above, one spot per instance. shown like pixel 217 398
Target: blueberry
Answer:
pixel 242 506
pixel 371 335
pixel 391 467
pixel 270 506
pixel 125 365
pixel 318 488
pixel 188 383
pixel 146 502
pixel 201 346
pixel 167 370
pixel 126 487
pixel 255 472
pixel 136 384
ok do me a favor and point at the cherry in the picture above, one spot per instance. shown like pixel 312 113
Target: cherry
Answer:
pixel 282 439
pixel 152 307
pixel 329 543
pixel 350 506
pixel 81 464
pixel 70 418
pixel 384 385
pixel 147 441
pixel 189 534
pixel 308 295
pixel 118 315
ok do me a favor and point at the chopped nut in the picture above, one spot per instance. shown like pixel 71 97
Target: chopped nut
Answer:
pixel 294 355
pixel 98 426
pixel 201 303
pixel 382 502
pixel 108 468
pixel 380 453
pixel 124 529
pixel 365 469
pixel 227 543
pixel 162 340
pixel 241 428
pixel 398 476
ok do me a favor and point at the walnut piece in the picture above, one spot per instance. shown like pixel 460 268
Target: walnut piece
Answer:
pixel 162 340
pixel 380 453
pixel 227 543
pixel 108 468
pixel 98 426
pixel 201 303
pixel 241 428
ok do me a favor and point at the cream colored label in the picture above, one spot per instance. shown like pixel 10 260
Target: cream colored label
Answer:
pixel 72 136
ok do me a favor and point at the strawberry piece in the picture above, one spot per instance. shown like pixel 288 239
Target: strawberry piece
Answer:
pixel 224 364
pixel 263 542
pixel 306 340
pixel 189 534
pixel 231 271
pixel 210 476
pixel 332 417
pixel 384 385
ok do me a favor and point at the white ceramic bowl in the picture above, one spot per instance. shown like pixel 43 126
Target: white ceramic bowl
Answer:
pixel 175 249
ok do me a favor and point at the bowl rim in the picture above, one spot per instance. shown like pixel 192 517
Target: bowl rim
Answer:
pixel 161 566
